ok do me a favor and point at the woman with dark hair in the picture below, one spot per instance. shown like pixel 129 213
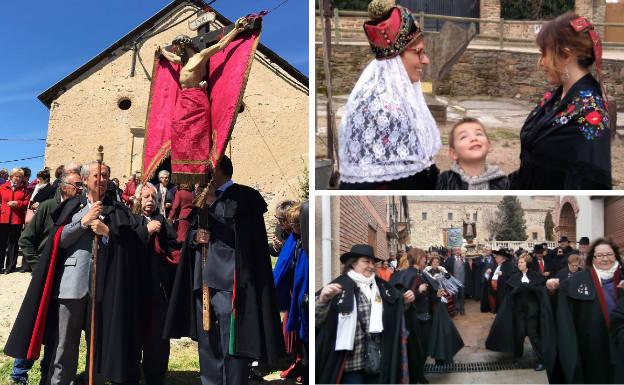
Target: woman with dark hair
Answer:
pixel 388 137
pixel 586 302
pixel 572 118
pixel 525 312
pixel 431 331
pixel 43 190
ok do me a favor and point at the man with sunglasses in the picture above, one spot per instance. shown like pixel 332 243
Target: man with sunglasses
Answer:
pixel 32 242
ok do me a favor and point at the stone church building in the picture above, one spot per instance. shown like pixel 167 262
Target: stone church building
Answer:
pixel 432 216
pixel 105 102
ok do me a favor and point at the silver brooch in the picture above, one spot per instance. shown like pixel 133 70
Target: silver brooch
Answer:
pixel 387 293
pixel 583 289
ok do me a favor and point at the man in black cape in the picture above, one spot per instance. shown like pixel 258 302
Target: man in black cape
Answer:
pixel 489 265
pixel 524 304
pixel 116 324
pixel 158 242
pixel 330 362
pixel 498 290
pixel 244 321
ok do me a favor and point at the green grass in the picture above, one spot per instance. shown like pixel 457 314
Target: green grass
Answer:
pixel 183 366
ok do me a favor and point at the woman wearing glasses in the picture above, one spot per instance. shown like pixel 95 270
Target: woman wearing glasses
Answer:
pixel 586 302
pixel 388 137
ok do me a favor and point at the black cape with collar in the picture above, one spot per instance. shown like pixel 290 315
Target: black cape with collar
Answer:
pixel 584 343
pixel 256 324
pixel 502 289
pixel 617 336
pixel 330 363
pixel 502 332
pixel 486 288
pixel 444 341
pixel 117 326
pixel 566 145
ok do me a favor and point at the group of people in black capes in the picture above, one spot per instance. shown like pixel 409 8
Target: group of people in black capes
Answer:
pixel 216 286
pixel 569 303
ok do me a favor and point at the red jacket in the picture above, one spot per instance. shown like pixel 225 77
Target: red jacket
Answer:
pixel 13 215
pixel 182 205
pixel 129 191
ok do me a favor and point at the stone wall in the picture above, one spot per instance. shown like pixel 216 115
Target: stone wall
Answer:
pixel 489 72
pixel 430 231
pixel 351 26
pixel 490 9
pixel 87 114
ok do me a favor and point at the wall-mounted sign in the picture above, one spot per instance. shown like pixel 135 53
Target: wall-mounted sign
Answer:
pixel 204 18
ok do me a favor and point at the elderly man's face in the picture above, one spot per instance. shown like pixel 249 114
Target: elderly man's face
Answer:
pixel 95 180
pixel 583 248
pixel 164 180
pixel 148 200
pixel 73 186
pixel 456 251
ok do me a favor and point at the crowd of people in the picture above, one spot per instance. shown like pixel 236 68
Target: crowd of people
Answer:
pixel 389 139
pixel 172 261
pixel 378 324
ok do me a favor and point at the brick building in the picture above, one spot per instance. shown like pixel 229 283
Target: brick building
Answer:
pixel 101 103
pixel 341 222
pixel 590 216
pixel 431 216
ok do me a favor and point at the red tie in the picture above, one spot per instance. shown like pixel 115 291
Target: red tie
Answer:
pixel 541 263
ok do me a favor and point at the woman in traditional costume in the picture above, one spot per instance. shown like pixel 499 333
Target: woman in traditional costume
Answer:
pixel 358 324
pixel 585 311
pixel 566 140
pixel 388 137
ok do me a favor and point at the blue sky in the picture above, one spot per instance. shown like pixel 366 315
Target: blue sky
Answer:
pixel 44 41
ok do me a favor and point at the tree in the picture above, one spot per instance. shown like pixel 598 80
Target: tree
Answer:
pixel 512 223
pixel 549 227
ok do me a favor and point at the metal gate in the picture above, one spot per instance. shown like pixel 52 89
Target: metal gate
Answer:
pixel 461 8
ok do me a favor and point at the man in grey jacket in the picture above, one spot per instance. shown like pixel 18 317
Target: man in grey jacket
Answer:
pixel 72 286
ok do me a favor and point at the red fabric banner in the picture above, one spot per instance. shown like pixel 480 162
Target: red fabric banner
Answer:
pixel 191 126
pixel 229 71
pixel 163 96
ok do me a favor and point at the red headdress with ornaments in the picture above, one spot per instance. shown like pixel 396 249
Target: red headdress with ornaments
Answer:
pixel 390 30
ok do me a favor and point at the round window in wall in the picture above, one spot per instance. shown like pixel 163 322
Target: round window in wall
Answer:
pixel 124 104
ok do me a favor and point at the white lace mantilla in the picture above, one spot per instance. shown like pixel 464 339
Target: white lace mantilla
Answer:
pixel 387 131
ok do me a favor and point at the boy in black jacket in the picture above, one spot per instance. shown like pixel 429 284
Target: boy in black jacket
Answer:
pixel 468 147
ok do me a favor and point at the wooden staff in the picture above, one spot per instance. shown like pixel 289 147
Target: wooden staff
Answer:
pixel 95 249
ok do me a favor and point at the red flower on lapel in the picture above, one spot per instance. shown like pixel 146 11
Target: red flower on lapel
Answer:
pixel 570 109
pixel 594 118
pixel 546 96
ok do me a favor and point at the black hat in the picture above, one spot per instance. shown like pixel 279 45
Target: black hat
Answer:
pixel 358 251
pixel 584 241
pixel 538 249
pixel 502 253
pixel 564 239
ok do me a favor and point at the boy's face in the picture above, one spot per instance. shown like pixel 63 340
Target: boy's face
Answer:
pixel 470 143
